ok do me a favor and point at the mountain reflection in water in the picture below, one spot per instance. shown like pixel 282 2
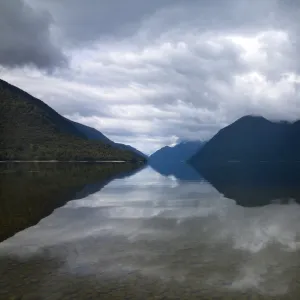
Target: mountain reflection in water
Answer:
pixel 256 184
pixel 31 191
pixel 150 236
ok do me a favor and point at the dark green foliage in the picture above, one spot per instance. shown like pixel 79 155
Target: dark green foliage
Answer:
pixel 31 130
pixel 30 192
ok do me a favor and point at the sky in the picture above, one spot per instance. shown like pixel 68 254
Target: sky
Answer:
pixel 153 73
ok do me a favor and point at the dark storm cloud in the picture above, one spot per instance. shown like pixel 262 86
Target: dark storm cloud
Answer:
pixel 82 21
pixel 25 37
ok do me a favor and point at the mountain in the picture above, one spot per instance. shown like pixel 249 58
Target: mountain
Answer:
pixel 176 154
pixel 31 130
pixel 94 134
pixel 91 133
pixel 252 139
pixel 130 148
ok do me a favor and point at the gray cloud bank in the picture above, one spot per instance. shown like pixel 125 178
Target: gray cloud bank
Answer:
pixel 25 37
pixel 152 73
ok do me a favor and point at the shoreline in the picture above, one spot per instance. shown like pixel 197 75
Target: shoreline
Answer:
pixel 64 161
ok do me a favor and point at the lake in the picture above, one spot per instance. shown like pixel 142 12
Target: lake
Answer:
pixel 115 232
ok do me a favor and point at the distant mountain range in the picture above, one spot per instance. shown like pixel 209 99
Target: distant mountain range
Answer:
pixel 171 161
pixel 252 139
pixel 31 130
pixel 175 154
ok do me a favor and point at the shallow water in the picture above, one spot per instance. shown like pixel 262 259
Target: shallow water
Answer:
pixel 149 236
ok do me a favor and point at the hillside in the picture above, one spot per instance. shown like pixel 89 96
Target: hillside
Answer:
pixel 176 154
pixel 252 139
pixel 31 130
pixel 94 134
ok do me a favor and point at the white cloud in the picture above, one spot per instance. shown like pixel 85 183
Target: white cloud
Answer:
pixel 177 73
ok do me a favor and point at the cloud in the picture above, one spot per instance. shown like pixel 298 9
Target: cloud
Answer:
pixel 170 70
pixel 82 22
pixel 26 37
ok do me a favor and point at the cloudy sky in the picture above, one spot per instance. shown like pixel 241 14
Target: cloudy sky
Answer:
pixel 150 73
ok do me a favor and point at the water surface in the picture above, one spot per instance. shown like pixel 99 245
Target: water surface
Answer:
pixel 150 236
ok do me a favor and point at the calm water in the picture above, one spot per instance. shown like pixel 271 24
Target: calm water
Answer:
pixel 149 236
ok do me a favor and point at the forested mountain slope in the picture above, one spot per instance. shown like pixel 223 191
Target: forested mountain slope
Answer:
pixel 31 130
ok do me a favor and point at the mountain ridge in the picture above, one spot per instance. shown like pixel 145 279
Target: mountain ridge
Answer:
pixel 93 134
pixel 32 130
pixel 252 139
pixel 178 153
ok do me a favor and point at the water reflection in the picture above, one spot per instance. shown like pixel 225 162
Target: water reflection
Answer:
pixel 149 235
pixel 256 184
pixel 179 170
pixel 31 191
